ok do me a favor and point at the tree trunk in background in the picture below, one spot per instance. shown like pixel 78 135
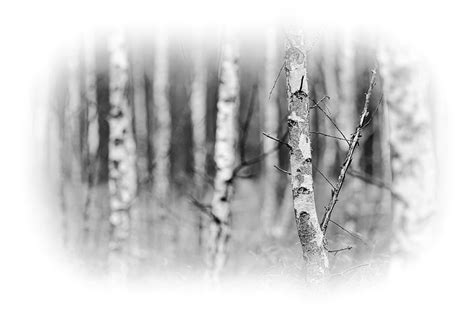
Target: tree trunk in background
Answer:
pixel 224 156
pixel 411 147
pixel 122 155
pixel 92 143
pixel 347 119
pixel 162 113
pixel 140 113
pixel 331 88
pixel 198 118
pixel 309 232
pixel 270 122
pixel 72 118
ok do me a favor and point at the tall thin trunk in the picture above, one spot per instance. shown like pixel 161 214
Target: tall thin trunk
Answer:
pixel 331 88
pixel 92 133
pixel 140 113
pixel 347 120
pixel 270 124
pixel 309 231
pixel 198 117
pixel 162 113
pixel 411 147
pixel 122 155
pixel 72 117
pixel 224 156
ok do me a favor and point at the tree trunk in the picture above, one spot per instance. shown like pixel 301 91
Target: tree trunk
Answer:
pixel 309 231
pixel 411 148
pixel 162 114
pixel 270 125
pixel 331 88
pixel 347 119
pixel 224 156
pixel 198 117
pixel 92 142
pixel 140 113
pixel 122 155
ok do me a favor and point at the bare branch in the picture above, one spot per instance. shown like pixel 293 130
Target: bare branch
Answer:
pixel 206 209
pixel 347 162
pixel 325 178
pixel 327 135
pixel 352 234
pixel 336 251
pixel 316 105
pixel 277 140
pixel 282 170
pixel 377 182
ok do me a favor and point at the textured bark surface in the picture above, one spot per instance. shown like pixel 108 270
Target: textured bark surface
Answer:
pixel 307 224
pixel 224 156
pixel 411 147
pixel 162 117
pixel 270 122
pixel 122 154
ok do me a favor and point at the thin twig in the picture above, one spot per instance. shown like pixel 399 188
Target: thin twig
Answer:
pixel 352 234
pixel 282 170
pixel 316 105
pixel 325 178
pixel 336 251
pixel 347 162
pixel 327 135
pixel 276 80
pixel 377 182
pixel 277 140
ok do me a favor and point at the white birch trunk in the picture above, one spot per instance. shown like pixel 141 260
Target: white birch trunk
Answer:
pixel 270 125
pixel 309 231
pixel 162 113
pixel 411 148
pixel 224 156
pixel 122 155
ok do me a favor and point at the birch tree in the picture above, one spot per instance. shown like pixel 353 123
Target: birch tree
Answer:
pixel 270 124
pixel 162 117
pixel 411 146
pixel 224 156
pixel 307 224
pixel 122 154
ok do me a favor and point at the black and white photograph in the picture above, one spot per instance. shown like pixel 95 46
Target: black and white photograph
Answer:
pixel 236 157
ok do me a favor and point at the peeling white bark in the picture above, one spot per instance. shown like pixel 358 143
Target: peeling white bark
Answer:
pixel 309 232
pixel 224 156
pixel 270 122
pixel 162 113
pixel 122 154
pixel 411 147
